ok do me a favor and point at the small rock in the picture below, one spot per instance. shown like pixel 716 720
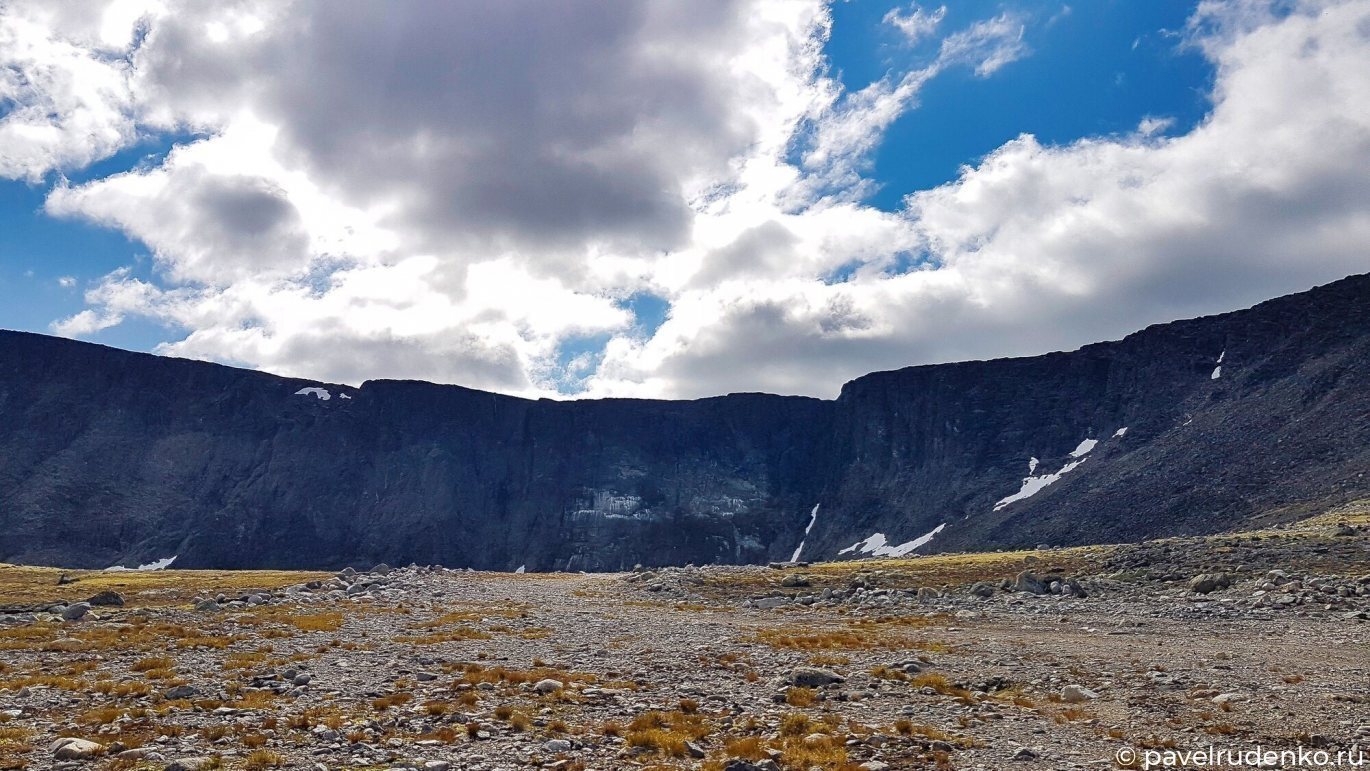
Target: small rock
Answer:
pixel 70 748
pixel 181 692
pixel 139 753
pixel 1077 694
pixel 1024 753
pixel 549 685
pixel 191 764
pixel 110 598
pixel 557 745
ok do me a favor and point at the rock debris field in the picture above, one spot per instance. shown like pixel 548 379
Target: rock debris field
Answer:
pixel 1039 659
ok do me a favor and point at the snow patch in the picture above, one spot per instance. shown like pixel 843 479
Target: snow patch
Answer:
pixel 1217 373
pixel 1120 432
pixel 161 564
pixel 1032 464
pixel 1221 356
pixel 1036 484
pixel 1083 448
pixel 319 392
pixel 344 396
pixel 877 546
pixel 522 569
pixel 813 517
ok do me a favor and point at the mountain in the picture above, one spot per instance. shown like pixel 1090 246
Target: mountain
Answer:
pixel 1196 426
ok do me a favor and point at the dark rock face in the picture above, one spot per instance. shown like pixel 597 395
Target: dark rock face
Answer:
pixel 108 456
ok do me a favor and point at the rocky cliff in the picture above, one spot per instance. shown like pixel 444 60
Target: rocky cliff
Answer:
pixel 112 457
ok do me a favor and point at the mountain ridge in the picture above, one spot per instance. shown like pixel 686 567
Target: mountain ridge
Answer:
pixel 115 456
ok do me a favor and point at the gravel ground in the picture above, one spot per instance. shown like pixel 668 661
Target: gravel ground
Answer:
pixel 796 667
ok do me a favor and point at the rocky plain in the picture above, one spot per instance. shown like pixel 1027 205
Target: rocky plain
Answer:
pixel 1048 658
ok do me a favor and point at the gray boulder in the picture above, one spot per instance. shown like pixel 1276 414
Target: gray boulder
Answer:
pixel 1209 582
pixel 71 748
pixel 814 677
pixel 75 611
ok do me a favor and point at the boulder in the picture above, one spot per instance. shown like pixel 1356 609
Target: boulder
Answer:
pixel 814 677
pixel 1209 582
pixel 75 611
pixel 108 597
pixel 1077 694
pixel 547 686
pixel 71 748
pixel 1027 581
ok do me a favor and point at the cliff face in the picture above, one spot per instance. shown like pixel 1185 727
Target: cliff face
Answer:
pixel 108 456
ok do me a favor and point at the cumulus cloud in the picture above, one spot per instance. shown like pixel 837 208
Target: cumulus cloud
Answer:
pixel 454 194
pixel 65 95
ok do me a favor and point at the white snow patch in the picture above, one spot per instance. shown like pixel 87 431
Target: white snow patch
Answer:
pixel 1083 448
pixel 876 545
pixel 1032 464
pixel 1034 485
pixel 1217 373
pixel 161 564
pixel 319 392
pixel 1221 356
pixel 522 569
pixel 1120 432
pixel 344 396
pixel 813 517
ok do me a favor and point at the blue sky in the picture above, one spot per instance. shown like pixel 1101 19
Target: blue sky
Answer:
pixel 1094 68
pixel 555 201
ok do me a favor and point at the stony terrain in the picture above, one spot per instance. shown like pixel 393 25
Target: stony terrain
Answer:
pixel 1041 659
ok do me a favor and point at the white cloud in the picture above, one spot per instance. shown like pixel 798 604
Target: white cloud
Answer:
pixel 915 22
pixel 64 81
pixel 378 192
pixel 988 45
pixel 66 282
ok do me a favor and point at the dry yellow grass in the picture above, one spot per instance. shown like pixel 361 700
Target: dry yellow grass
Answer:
pixel 664 733
pixel 939 684
pixel 23 585
pixel 865 634
pixel 397 699
pixel 153 662
pixel 912 573
pixel 263 759
pixel 446 635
